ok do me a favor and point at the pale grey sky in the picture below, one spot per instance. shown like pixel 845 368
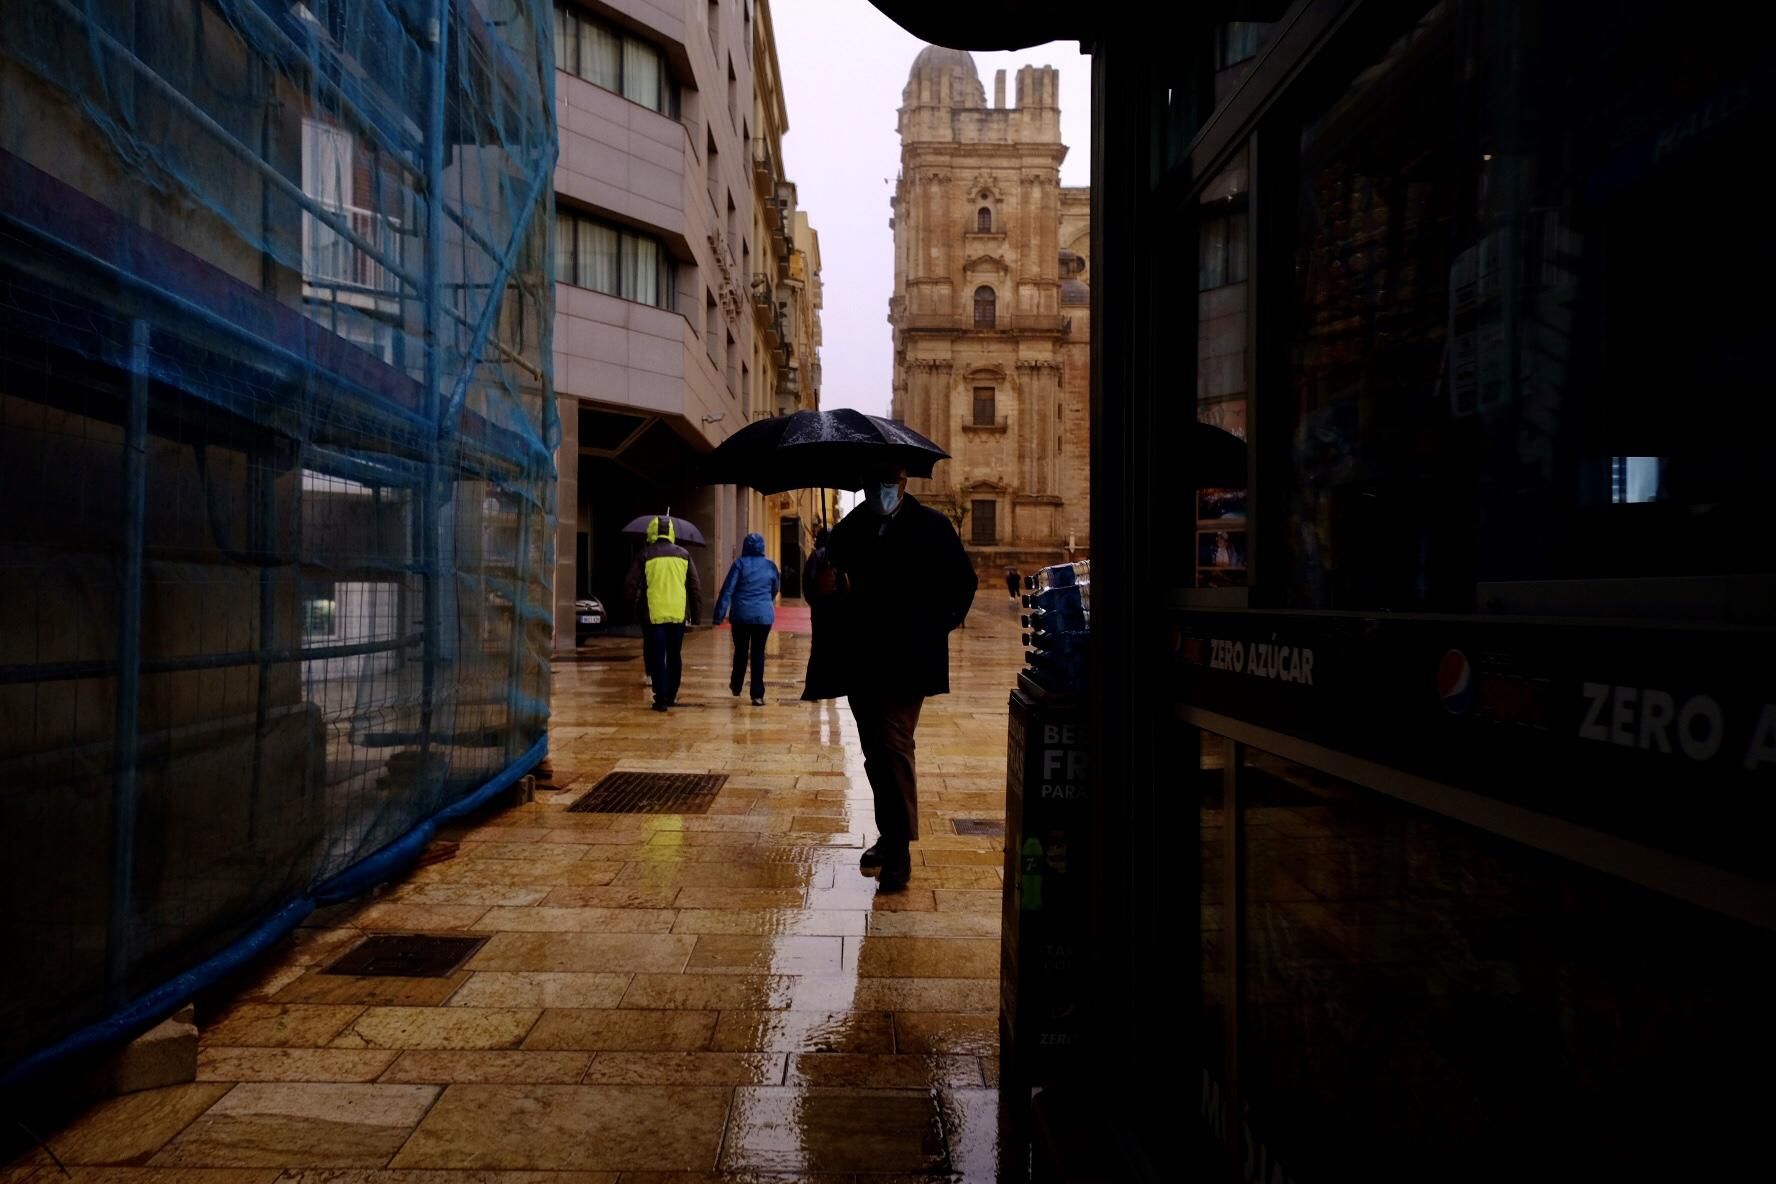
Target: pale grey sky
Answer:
pixel 844 65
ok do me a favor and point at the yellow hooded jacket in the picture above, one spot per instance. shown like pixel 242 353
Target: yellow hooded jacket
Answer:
pixel 665 572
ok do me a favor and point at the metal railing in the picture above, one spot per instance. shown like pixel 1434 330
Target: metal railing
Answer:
pixel 330 258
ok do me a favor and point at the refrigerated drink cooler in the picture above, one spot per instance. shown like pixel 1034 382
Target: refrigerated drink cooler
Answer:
pixel 1043 956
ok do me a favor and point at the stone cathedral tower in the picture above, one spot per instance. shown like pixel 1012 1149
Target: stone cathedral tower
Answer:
pixel 990 310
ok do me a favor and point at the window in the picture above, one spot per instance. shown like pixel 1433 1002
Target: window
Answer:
pixel 613 60
pixel 712 167
pixel 733 95
pixel 985 406
pixel 714 20
pixel 986 522
pixel 1447 301
pixel 710 323
pixel 1221 248
pixel 1237 42
pixel 320 610
pixel 983 221
pixel 986 314
pixel 596 255
pixel 733 356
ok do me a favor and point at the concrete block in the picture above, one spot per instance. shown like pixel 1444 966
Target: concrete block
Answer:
pixel 164 1055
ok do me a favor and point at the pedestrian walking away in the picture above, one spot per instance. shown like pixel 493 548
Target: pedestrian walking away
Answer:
pixel 1012 580
pixel 747 597
pixel 663 584
pixel 894 584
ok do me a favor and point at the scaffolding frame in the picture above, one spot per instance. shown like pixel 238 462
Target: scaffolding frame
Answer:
pixel 477 416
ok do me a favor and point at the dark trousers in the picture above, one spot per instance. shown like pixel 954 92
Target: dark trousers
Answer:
pixel 750 638
pixel 885 726
pixel 663 653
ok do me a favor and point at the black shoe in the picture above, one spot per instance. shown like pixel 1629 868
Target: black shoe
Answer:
pixel 735 691
pixel 659 706
pixel 758 700
pixel 871 860
pixel 895 875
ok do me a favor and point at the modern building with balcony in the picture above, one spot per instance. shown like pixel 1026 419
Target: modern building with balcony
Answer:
pixel 662 227
pixel 786 303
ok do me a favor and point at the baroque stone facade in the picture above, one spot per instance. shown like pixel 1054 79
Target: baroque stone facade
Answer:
pixel 991 310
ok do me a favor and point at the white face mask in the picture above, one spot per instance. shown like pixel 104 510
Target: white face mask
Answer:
pixel 885 496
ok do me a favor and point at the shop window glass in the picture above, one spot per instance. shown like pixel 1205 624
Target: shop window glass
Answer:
pixel 1503 373
pixel 1215 924
pixel 1422 1000
pixel 1221 386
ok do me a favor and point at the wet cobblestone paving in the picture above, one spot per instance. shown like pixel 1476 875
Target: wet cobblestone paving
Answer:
pixel 661 997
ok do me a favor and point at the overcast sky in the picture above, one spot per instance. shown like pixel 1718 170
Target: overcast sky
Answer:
pixel 844 65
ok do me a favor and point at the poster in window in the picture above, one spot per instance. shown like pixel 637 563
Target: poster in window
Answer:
pixel 1224 549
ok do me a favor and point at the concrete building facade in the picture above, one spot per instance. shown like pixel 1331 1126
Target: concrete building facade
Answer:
pixel 784 283
pixel 671 119
pixel 990 310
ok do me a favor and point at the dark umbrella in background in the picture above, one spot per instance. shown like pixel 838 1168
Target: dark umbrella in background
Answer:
pixel 818 450
pixel 682 531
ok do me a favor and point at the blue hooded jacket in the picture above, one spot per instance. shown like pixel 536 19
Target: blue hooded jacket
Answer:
pixel 750 588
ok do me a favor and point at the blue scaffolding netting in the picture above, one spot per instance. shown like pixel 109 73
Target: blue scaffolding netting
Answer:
pixel 276 447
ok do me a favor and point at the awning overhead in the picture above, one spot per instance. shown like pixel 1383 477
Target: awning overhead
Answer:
pixel 1018 24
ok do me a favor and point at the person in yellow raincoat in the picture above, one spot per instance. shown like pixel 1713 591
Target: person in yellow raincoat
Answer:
pixel 663 584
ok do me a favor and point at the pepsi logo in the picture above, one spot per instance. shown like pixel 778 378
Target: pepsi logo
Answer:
pixel 1455 683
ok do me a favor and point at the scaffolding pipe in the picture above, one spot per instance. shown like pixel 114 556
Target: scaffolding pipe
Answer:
pixel 30 672
pixel 515 668
pixel 400 152
pixel 430 542
pixel 125 777
pixel 544 171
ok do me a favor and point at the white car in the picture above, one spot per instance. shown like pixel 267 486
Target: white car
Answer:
pixel 589 617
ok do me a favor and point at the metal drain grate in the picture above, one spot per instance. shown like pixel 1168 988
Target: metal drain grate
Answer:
pixel 985 827
pixel 406 955
pixel 651 793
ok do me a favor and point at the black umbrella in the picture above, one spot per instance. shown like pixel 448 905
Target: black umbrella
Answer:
pixel 818 450
pixel 682 531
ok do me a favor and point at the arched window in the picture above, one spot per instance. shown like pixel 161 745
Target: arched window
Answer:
pixel 986 313
pixel 983 220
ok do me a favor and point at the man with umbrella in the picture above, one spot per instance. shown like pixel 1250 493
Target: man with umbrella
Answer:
pixel 900 582
pixel 664 574
pixel 894 582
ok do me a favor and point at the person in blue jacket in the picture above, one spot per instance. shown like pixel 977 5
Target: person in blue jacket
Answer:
pixel 746 596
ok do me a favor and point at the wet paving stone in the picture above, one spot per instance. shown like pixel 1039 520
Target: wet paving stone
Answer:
pixel 708 993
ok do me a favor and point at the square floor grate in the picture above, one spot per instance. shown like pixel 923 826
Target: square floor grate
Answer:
pixel 651 793
pixel 987 827
pixel 406 955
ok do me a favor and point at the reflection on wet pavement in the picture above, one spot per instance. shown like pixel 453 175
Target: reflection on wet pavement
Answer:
pixel 690 997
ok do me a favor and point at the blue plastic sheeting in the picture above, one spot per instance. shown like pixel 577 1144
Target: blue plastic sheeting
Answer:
pixel 277 429
pixel 161 1002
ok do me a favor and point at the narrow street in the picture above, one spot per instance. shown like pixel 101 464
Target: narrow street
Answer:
pixel 714 994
